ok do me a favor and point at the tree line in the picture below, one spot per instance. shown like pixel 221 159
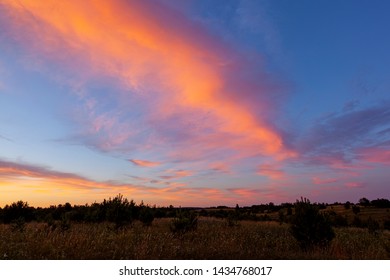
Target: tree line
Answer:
pixel 121 212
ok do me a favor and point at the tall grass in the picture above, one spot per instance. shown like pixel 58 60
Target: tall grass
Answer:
pixel 213 239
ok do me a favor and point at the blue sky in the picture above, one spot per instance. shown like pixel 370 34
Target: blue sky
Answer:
pixel 194 103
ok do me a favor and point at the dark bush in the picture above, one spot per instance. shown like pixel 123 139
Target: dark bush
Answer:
pixel 184 221
pixel 146 216
pixel 364 202
pixel 381 203
pixel 310 227
pixel 119 211
pixel 16 211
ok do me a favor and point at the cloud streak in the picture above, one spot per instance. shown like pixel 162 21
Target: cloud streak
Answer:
pixel 144 163
pixel 352 138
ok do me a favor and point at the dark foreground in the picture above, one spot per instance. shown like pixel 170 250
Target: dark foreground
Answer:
pixel 213 239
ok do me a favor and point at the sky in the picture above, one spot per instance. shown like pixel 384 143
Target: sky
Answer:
pixel 194 102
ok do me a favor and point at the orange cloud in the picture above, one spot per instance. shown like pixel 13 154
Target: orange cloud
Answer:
pixel 175 174
pixel 151 48
pixel 144 163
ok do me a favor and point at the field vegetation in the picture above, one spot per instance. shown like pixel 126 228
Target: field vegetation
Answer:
pixel 120 229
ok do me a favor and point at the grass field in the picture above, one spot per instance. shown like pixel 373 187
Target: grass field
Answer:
pixel 380 214
pixel 213 239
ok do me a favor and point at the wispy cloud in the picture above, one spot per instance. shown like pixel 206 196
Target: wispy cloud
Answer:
pixel 346 129
pixel 176 174
pixel 374 155
pixel 322 181
pixel 144 163
pixel 12 170
pixel 354 185
pixel 220 167
pixel 5 138
pixel 344 139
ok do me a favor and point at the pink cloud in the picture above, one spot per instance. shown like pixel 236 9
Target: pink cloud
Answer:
pixel 374 155
pixel 321 181
pixel 144 163
pixel 175 174
pixel 354 185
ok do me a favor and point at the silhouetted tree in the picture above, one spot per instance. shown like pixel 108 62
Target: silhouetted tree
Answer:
pixel 364 202
pixel 381 203
pixel 309 226
pixel 119 210
pixel 16 211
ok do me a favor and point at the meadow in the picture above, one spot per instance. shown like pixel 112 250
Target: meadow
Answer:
pixel 118 228
pixel 212 239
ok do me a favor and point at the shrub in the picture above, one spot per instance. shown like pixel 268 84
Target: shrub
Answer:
pixel 184 221
pixel 364 202
pixel 119 211
pixel 310 227
pixel 146 216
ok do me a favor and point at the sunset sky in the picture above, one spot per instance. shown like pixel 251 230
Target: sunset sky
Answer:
pixel 194 102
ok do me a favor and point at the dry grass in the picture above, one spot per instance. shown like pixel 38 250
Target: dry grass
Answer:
pixel 379 214
pixel 212 240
